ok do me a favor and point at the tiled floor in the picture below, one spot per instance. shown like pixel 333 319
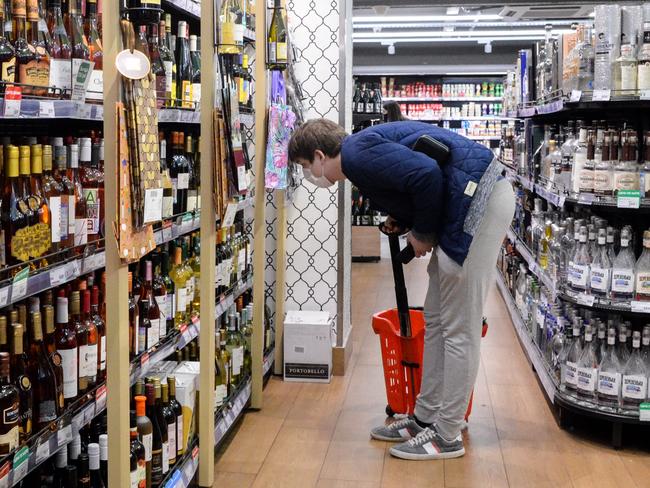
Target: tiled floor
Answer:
pixel 311 435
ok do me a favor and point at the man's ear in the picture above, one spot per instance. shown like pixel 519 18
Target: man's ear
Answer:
pixel 318 153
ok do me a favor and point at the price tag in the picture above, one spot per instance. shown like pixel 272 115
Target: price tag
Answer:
pixel 90 263
pixel 42 452
pixel 100 399
pixel 4 475
pixel 229 217
pixel 99 112
pixel 89 413
pixel 101 259
pixel 188 470
pixel 57 276
pixel 64 435
pixel 19 285
pixel 584 299
pixel 20 464
pixel 640 307
pixel 644 412
pixel 78 421
pixel 13 97
pixel 145 364
pixel 153 199
pixel 576 95
pixel 601 96
pixel 46 110
pixel 628 199
pixel 167 234
pixel 586 198
pixel 4 296
pixel 644 95
pixel 84 111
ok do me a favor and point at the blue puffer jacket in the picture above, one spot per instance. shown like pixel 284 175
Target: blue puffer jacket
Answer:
pixel 433 201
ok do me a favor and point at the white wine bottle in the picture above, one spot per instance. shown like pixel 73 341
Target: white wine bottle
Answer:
pixel 277 37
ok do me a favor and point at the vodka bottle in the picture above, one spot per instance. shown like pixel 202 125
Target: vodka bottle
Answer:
pixel 580 263
pixel 625 71
pixel 520 289
pixel 611 252
pixel 555 261
pixel 643 67
pixel 645 347
pixel 601 267
pixel 592 244
pixel 573 356
pixel 635 376
pixel 587 372
pixel 603 168
pixel 642 270
pixel 601 342
pixel 579 161
pixel 586 56
pixel 567 150
pixel 622 288
pixel 567 245
pixel 564 354
pixel 622 351
pixel 609 374
pixel 545 246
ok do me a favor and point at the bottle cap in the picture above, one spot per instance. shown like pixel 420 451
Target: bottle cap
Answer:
pixel 85 149
pixel 73 153
pixel 61 460
pixel 140 405
pixel 75 303
pixel 47 157
pixel 93 456
pixel 61 310
pixel 37 159
pixel 25 167
pixel 37 330
pixel 103 446
pixel 75 447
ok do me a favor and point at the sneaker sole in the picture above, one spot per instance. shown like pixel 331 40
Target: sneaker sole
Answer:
pixel 379 437
pixel 426 457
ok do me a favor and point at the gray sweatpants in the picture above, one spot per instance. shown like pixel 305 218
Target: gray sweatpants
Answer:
pixel 453 310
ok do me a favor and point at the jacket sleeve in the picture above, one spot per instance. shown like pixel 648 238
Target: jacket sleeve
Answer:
pixel 391 166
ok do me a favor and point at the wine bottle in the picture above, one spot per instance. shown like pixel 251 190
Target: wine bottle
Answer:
pixel 45 395
pixel 101 333
pixel 66 346
pixel 10 405
pixel 80 51
pixel 192 184
pixel 103 455
pixel 83 471
pixel 184 68
pixel 96 480
pixel 153 333
pixel 60 48
pixel 95 89
pixel 180 280
pixel 38 71
pixel 195 57
pixel 231 32
pixel 13 217
pixel 80 213
pixel 157 65
pixel 169 417
pixel 145 431
pixel 138 475
pixel 277 37
pixel 7 52
pixel 171 58
pixel 180 173
pixel 88 352
pixel 178 412
pixel 53 355
pixel 162 424
pixel 20 374
pixel 156 437
pixel 91 181
pixel 160 294
pixel 67 195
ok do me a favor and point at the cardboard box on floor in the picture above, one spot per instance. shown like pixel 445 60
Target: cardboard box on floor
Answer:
pixel 308 346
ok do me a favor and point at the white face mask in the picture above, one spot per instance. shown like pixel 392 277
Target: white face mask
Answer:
pixel 320 181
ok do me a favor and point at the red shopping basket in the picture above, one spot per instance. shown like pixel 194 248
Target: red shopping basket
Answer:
pixel 402 360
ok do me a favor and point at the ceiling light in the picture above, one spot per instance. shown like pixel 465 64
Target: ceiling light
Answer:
pixel 439 24
pixel 423 18
pixel 424 40
pixel 472 33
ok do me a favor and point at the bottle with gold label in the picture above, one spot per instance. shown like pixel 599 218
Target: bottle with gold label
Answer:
pixel 277 36
pixel 169 62
pixel 13 219
pixel 10 408
pixel 25 52
pixel 26 205
pixel 39 203
pixel 7 53
pixel 231 32
pixel 20 376
pixel 51 191
pixel 40 65
pixel 179 277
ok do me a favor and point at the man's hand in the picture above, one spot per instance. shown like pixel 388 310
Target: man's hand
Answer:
pixel 421 248
pixel 392 226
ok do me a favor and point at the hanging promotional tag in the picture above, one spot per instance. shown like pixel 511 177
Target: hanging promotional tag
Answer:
pixel 132 64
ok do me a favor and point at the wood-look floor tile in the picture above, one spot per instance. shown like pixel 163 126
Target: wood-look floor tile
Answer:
pixel 325 483
pixel 277 476
pixel 637 464
pixel 536 463
pixel 354 461
pixel 299 448
pixel 233 480
pixel 399 473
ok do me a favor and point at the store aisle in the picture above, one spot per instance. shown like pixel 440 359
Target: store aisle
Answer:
pixel 311 435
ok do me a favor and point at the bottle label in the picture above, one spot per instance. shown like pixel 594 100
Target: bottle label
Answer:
pixel 220 395
pixel 80 232
pixel 586 179
pixel 168 78
pixel 147 442
pixel 142 474
pixel 586 379
pixel 623 280
pixel 181 299
pixel 609 383
pixel 61 73
pixel 91 196
pixel 183 182
pixel 95 90
pixel 628 77
pixel 134 478
pixel 599 279
pixel 8 73
pixel 65 215
pixel 88 360
pixel 189 286
pixel 171 440
pixel 644 75
pixel 603 181
pixel 168 205
pixel 571 377
pixel 241 263
pixel 237 360
pixel 165 457
pixel 635 387
pixel 626 180
pixel 102 358
pixel 579 161
pixel 273 57
pixel 196 93
pixel 227 33
pixel 9 441
pixel 69 364
pixel 180 440
pixel 281 52
pixel 55 210
pixel 153 333
pixel 643 284
pixel 71 214
pixel 46 411
pixel 186 94
pixel 217 274
pixel 238 34
pixel 156 466
pixel 161 301
pixel 579 274
pixel 169 306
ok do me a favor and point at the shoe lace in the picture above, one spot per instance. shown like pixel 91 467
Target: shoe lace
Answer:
pixel 424 436
pixel 398 424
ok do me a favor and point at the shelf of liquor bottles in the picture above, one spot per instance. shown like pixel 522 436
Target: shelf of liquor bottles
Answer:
pixel 182 475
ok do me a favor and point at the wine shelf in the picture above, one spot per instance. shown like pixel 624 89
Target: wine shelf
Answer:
pixel 578 101
pixel 184 470
pixel 530 348
pixel 559 200
pixel 230 411
pixel 188 7
pixel 15 466
pixel 531 261
pixel 68 109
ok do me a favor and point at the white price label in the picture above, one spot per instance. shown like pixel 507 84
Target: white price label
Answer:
pixel 576 95
pixel 153 199
pixel 84 111
pixel 585 299
pixel 628 199
pixel 640 307
pixel 57 276
pixel 64 435
pixel 20 464
pixel 12 108
pixel 19 285
pixel 90 263
pixel 601 96
pixel 43 452
pixel 644 95
pixel 89 413
pixel 99 112
pixel 78 421
pixel 167 234
pixel 46 110
pixel 644 412
pixel 4 296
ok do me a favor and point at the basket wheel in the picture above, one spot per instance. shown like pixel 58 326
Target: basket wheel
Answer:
pixel 389 411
